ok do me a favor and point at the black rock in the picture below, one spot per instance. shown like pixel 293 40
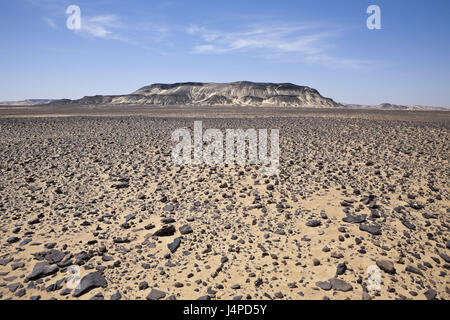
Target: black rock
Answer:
pixel 90 281
pixel 386 265
pixel 444 256
pixel 54 256
pixel 429 216
pixel 340 285
pixel 40 270
pixel 13 286
pixel 313 223
pixel 341 268
pixel 414 270
pixel 355 219
pixel 324 285
pixel 123 183
pixel 116 296
pixel 20 293
pixel 430 294
pixel 156 294
pixel 34 221
pixel 167 220
pixel 143 285
pixel 12 240
pixel 149 226
pixel 97 296
pixel 174 245
pixel 186 229
pixel 372 229
pixel 168 208
pixel 4 262
pixel 65 292
pixel 165 231
pixel 409 225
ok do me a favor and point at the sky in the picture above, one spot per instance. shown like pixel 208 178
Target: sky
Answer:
pixel 124 45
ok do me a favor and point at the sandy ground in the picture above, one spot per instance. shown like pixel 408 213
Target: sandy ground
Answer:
pixel 251 235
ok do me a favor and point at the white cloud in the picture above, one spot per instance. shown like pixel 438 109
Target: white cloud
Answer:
pixel 282 41
pixel 102 26
pixel 50 22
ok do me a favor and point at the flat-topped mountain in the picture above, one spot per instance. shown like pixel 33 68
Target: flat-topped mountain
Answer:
pixel 243 93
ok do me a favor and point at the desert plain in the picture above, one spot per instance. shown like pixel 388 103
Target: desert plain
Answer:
pixel 94 189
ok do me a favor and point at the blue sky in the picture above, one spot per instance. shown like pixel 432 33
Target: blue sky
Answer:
pixel 124 45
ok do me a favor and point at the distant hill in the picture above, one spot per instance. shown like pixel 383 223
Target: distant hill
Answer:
pixel 28 102
pixel 389 106
pixel 242 93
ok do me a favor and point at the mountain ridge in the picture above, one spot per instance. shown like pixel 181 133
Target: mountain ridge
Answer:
pixel 240 93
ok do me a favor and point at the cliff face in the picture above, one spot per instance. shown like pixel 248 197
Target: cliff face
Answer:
pixel 235 93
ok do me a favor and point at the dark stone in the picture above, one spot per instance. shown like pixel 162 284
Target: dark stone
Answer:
pixel 12 240
pixel 122 184
pixel 143 285
pixel 90 281
pixel 168 208
pixel 372 229
pixel 444 256
pixel 430 294
pixel 355 219
pixel 13 286
pixel 4 262
pixel 341 268
pixel 40 270
pixel 340 285
pixel 167 220
pixel 409 225
pixel 313 223
pixel 65 292
pixel 97 296
pixel 116 296
pixel 386 266
pixel 165 231
pixel 54 256
pixel 156 294
pixel 324 285
pixel 186 229
pixel 414 270
pixel 174 245
pixel 20 293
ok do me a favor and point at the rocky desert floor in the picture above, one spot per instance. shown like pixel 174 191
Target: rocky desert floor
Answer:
pixel 95 188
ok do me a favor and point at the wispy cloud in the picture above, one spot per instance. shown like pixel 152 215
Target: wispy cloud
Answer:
pixel 110 26
pixel 303 41
pixel 50 22
pixel 101 26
